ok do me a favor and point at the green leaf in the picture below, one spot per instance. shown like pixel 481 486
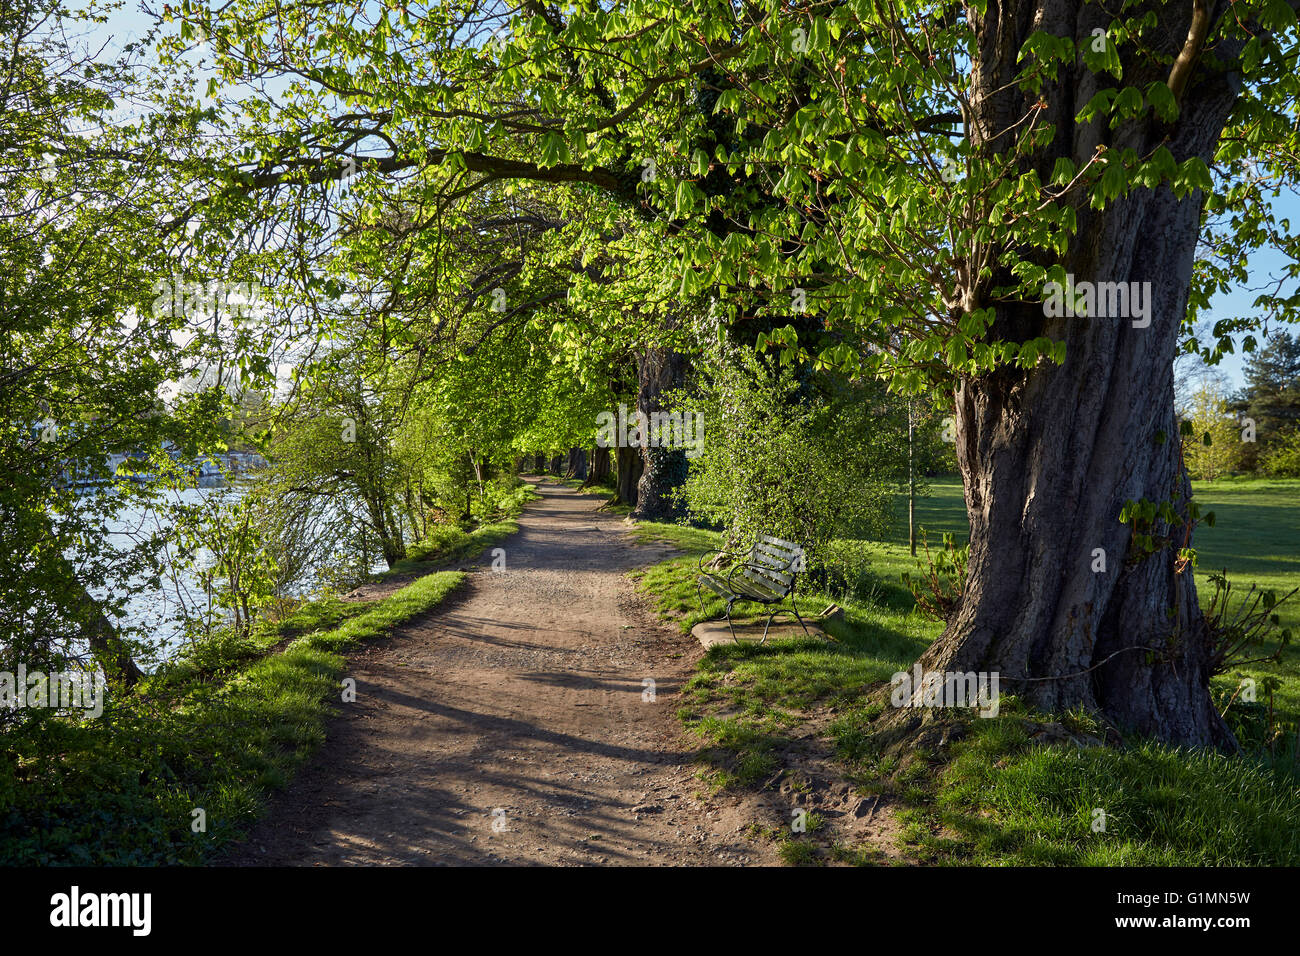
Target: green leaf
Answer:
pixel 554 152
pixel 1162 101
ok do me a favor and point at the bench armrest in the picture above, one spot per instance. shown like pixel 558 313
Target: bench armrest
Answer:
pixel 706 554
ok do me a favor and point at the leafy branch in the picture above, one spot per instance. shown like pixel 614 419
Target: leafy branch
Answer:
pixel 1249 623
pixel 938 591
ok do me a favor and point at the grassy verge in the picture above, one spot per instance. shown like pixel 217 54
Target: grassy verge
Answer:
pixel 1255 539
pixel 1000 797
pixel 453 543
pixel 1019 788
pixel 746 700
pixel 214 733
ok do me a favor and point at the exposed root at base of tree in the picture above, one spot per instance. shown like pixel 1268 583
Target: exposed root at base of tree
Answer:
pixel 903 731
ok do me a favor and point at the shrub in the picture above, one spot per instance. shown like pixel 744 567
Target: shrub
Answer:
pixel 939 587
pixel 805 460
pixel 1283 460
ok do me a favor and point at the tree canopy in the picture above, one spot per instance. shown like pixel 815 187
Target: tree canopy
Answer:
pixel 1026 208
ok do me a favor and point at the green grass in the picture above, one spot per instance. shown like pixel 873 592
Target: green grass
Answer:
pixel 216 736
pixel 223 653
pixel 448 543
pixel 1256 538
pixel 1003 800
pixel 746 698
pixel 942 511
pixel 995 796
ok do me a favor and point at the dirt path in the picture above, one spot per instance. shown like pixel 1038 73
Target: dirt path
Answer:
pixel 509 725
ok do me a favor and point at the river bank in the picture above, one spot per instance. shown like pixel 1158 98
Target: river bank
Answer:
pixel 184 764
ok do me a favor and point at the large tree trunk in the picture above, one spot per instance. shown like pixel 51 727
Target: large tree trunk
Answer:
pixel 600 469
pixel 1050 455
pixel 577 467
pixel 629 464
pixel 659 371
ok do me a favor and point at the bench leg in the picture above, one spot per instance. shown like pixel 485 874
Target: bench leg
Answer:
pixel 793 610
pixel 801 623
pixel 699 594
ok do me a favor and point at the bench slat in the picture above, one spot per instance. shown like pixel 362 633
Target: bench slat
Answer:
pixel 778 576
pixel 777 584
pixel 713 584
pixel 785 557
pixel 750 592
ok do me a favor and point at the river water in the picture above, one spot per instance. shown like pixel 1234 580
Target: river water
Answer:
pixel 153 612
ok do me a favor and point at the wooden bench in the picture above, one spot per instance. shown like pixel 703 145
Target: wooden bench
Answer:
pixel 766 575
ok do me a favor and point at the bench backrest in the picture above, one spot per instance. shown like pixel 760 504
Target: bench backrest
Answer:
pixel 772 565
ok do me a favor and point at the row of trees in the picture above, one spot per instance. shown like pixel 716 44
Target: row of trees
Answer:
pixel 872 191
pixel 884 188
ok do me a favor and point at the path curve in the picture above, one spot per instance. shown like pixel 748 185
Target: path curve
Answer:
pixel 508 725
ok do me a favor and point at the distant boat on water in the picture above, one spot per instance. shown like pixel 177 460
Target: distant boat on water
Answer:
pixel 209 471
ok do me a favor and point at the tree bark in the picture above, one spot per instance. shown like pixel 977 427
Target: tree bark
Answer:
pixel 600 467
pixel 104 642
pixel 389 532
pixel 664 469
pixel 629 464
pixel 1049 455
pixel 577 467
pixel 94 626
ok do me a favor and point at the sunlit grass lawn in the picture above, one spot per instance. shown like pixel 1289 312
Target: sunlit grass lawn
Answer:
pixel 1256 538
pixel 998 797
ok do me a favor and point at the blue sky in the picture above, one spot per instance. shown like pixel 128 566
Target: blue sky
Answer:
pixel 1265 265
